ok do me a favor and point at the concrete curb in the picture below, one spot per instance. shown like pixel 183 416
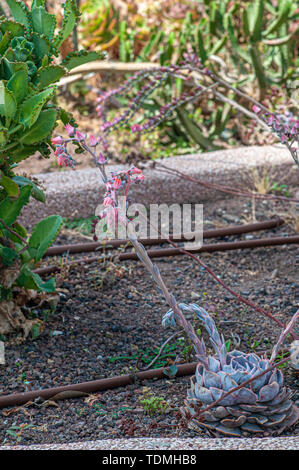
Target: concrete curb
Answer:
pixel 275 443
pixel 75 194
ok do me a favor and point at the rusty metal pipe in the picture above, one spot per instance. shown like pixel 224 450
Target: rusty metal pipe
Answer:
pixel 85 388
pixel 214 233
pixel 225 246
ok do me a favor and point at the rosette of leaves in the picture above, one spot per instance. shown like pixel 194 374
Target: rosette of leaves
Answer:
pixel 29 68
pixel 263 406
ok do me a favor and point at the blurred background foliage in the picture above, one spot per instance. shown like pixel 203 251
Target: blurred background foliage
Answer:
pixel 251 44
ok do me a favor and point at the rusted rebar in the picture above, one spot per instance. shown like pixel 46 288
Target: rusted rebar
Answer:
pixel 85 388
pixel 213 233
pixel 165 252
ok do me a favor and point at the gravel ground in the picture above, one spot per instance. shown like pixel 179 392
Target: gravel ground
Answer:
pixel 278 443
pixel 107 318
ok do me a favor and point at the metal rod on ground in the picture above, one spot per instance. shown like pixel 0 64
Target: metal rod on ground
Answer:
pixel 244 244
pixel 214 233
pixel 85 388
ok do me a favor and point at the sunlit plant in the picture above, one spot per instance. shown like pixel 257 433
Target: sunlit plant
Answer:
pixel 232 393
pixel 29 69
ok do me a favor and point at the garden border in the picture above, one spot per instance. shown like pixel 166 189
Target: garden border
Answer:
pixel 76 194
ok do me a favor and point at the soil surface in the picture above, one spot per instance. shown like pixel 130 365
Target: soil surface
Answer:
pixel 109 316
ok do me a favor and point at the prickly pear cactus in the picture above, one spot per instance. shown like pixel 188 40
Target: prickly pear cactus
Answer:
pixel 262 407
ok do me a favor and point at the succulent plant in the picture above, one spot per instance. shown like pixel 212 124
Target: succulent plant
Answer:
pixel 262 406
pixel 28 72
pixel 29 68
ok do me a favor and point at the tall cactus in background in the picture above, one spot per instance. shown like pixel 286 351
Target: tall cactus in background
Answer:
pixel 29 47
pixel 267 42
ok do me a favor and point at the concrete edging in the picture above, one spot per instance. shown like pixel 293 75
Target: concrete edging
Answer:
pixel 76 194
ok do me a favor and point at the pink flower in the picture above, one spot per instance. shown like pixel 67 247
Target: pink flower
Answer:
pixel 136 128
pixel 59 150
pixel 57 140
pixel 61 160
pixel 101 159
pixel 135 171
pixel 80 135
pixel 93 141
pixel 117 183
pixel 69 129
pixel 64 159
pixel 106 126
pixel 256 109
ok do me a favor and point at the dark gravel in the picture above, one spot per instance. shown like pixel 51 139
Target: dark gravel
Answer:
pixel 107 317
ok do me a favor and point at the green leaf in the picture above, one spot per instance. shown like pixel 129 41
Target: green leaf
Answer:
pixel 8 104
pixel 8 68
pixel 11 188
pixel 282 17
pixel 42 127
pixel 201 47
pixel 24 152
pixel 18 85
pixel 35 330
pixel 43 235
pixel 31 280
pixel 42 45
pixel 245 23
pixel 79 58
pixel 193 131
pixel 20 12
pixel 5 41
pixel 20 229
pixel 10 209
pixel 15 29
pixel 37 3
pixel 36 192
pixel 154 40
pixel 258 66
pixel 7 255
pixel 43 22
pixel 218 45
pixel 31 108
pixel 234 41
pixel 49 74
pixel 70 17
pixel 258 12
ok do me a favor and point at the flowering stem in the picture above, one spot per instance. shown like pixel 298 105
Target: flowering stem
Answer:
pixel 154 271
pixel 231 291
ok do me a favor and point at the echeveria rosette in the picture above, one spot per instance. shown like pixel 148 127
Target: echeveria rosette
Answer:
pixel 261 407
